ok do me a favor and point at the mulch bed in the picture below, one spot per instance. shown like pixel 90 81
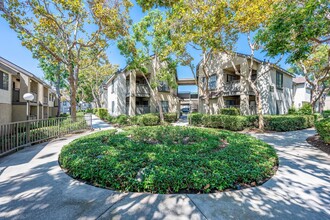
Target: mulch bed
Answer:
pixel 316 141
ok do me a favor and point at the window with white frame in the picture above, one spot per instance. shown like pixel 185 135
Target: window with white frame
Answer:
pixel 213 82
pixel 165 106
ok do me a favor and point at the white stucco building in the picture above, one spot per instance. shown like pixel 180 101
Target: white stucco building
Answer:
pixel 301 92
pixel 127 92
pixel 228 89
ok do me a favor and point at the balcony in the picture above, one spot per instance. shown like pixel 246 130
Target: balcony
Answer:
pixel 35 99
pixel 142 90
pixel 142 109
pixel 234 88
pixel 253 109
pixel 16 93
pixel 45 101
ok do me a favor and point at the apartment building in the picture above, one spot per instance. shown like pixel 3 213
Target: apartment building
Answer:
pixel 14 83
pixel 301 92
pixel 128 93
pixel 228 89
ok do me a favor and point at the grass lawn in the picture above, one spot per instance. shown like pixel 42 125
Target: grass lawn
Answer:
pixel 167 159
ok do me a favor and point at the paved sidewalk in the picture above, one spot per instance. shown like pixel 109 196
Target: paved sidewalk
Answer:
pixel 33 186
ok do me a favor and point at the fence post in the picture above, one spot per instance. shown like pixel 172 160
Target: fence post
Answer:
pixel 91 121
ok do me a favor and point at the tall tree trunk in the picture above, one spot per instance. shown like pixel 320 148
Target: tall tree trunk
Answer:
pixel 259 112
pixel 97 98
pixel 73 101
pixel 58 92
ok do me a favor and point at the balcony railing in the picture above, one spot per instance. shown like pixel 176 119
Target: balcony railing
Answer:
pixel 45 100
pixel 234 88
pixel 35 99
pixel 20 134
pixel 142 109
pixel 16 93
pixel 142 90
pixel 252 108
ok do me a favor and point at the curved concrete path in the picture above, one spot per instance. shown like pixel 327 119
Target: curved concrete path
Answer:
pixel 33 186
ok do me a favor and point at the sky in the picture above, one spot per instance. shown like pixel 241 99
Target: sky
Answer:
pixel 12 50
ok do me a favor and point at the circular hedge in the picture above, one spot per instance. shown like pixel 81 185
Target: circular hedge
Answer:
pixel 168 159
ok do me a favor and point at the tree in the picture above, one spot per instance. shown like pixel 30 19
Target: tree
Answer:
pixel 203 26
pixel 146 46
pixel 213 26
pixel 92 78
pixel 66 29
pixel 313 68
pixel 301 29
pixel 56 75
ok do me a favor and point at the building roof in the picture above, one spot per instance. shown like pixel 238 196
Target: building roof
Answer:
pixel 299 80
pixel 256 60
pixel 17 69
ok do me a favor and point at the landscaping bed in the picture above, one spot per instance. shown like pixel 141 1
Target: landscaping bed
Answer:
pixel 317 142
pixel 169 159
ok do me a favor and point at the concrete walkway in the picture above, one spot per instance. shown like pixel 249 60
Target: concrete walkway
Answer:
pixel 33 186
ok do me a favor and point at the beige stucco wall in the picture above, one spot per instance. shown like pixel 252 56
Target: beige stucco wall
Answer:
pixel 327 103
pixel 19 113
pixel 5 113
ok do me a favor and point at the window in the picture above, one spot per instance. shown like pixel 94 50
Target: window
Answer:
pixel 254 75
pixel 163 87
pixel 4 80
pixel 112 107
pixel 112 86
pixel 231 78
pixel 213 82
pixel 279 80
pixel 164 106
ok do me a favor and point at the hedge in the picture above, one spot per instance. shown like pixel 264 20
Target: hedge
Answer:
pixel 195 119
pixel 288 122
pixel 170 117
pixel 229 122
pixel 237 123
pixel 323 128
pixel 148 119
pixel 326 114
pixel 229 111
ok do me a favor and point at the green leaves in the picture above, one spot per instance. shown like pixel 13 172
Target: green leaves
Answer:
pixel 168 159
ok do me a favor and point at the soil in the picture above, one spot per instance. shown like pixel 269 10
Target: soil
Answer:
pixel 316 141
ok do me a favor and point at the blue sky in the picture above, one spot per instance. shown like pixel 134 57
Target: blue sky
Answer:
pixel 12 50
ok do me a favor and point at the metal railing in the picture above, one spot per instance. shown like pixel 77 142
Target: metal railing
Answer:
pixel 24 133
pixel 35 99
pixel 142 109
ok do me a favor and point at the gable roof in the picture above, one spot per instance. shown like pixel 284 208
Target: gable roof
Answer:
pixel 299 80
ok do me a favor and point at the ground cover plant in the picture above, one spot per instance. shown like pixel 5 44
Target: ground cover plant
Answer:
pixel 169 159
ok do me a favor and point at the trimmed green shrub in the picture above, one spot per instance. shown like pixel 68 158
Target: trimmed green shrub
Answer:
pixel 195 119
pixel 169 159
pixel 95 111
pixel 229 111
pixel 89 110
pixel 292 111
pixel 122 119
pixel 323 128
pixel 110 118
pixel 326 114
pixel 252 120
pixel 148 119
pixel 133 120
pixel 306 109
pixel 288 122
pixel 317 116
pixel 229 122
pixel 102 113
pixel 170 117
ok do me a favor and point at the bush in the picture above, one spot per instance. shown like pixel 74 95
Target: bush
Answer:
pixel 133 120
pixel 170 117
pixel 292 111
pixel 102 113
pixel 317 116
pixel 323 128
pixel 229 122
pixel 252 120
pixel 89 110
pixel 195 119
pixel 148 119
pixel 229 111
pixel 288 122
pixel 326 114
pixel 169 159
pixel 122 120
pixel 110 119
pixel 306 109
